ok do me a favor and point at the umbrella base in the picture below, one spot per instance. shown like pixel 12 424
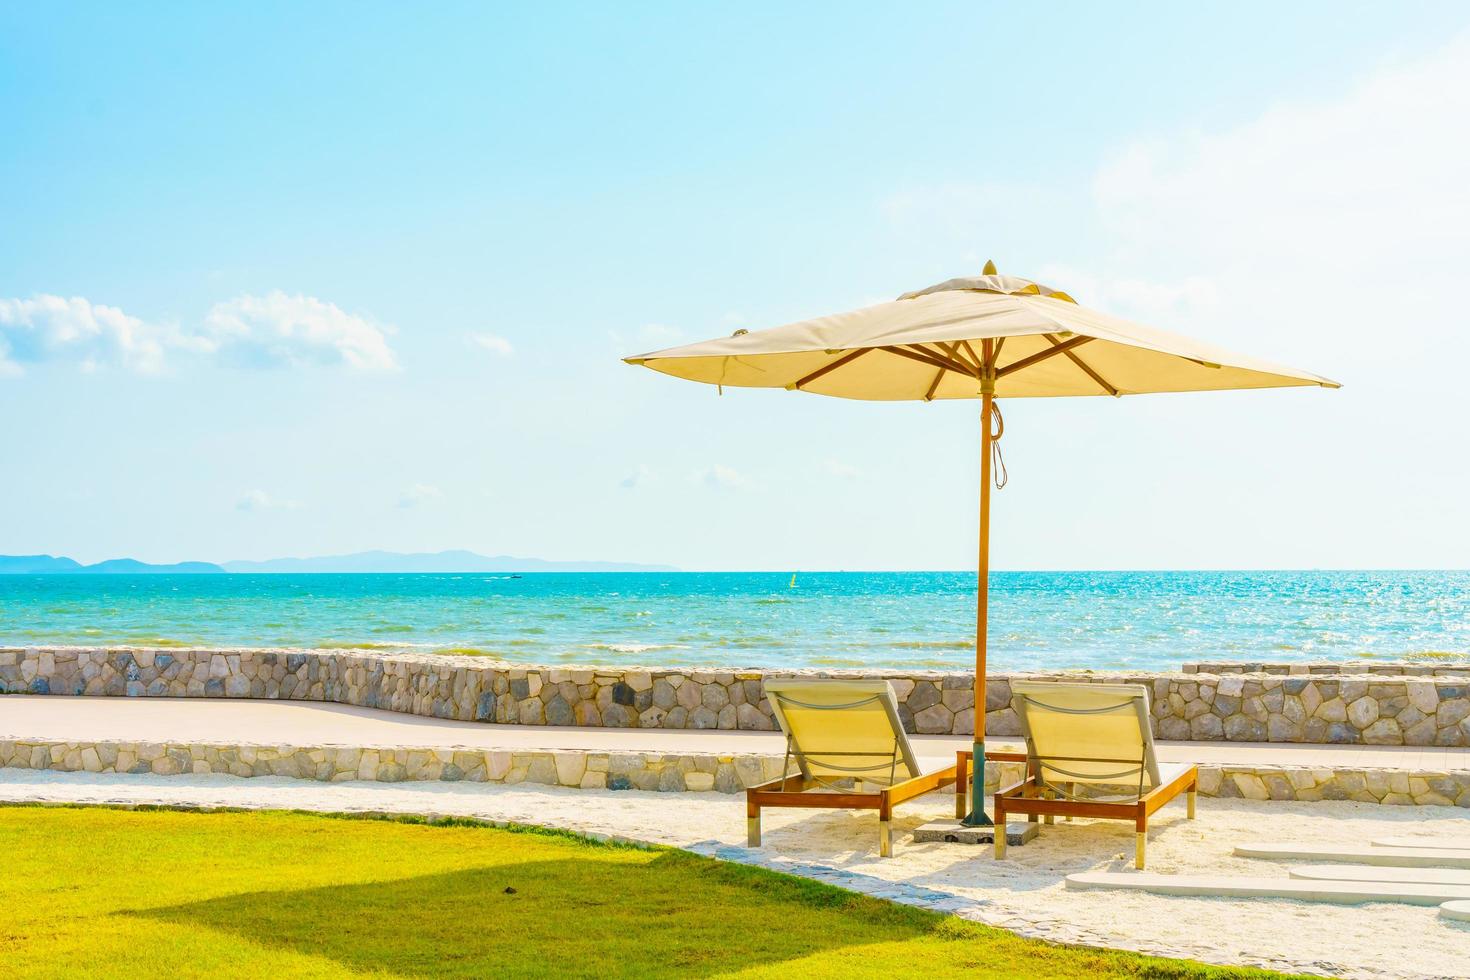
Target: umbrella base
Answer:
pixel 956 832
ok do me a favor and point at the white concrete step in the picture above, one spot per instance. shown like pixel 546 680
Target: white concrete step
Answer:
pixel 1455 911
pixel 1230 886
pixel 1386 856
pixel 1376 873
pixel 1419 843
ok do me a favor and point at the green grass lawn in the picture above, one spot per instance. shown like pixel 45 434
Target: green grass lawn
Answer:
pixel 118 893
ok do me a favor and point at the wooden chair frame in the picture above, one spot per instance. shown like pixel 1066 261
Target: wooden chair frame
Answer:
pixel 1040 795
pixel 793 791
pixel 826 786
pixel 1034 799
pixel 962 776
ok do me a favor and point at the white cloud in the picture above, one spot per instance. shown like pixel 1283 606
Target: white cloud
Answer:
pixel 260 500
pixel 722 477
pixel 639 477
pixel 48 328
pixel 1307 228
pixel 418 493
pixel 263 331
pixel 1343 188
pixel 839 469
pixel 659 335
pixel 281 330
pixel 493 343
pixel 1148 301
pixel 649 337
pixel 1307 231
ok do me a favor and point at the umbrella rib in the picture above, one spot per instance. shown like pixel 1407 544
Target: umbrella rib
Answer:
pixel 953 349
pixel 1084 366
pixel 934 385
pixel 945 357
pixel 1026 362
pixel 927 357
pixel 842 361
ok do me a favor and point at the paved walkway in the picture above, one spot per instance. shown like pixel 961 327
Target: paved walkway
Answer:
pixel 247 722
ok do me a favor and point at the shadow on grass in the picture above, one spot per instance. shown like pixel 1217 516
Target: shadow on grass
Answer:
pixel 667 912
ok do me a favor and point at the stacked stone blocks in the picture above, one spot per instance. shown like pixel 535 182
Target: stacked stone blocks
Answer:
pixel 1429 709
pixel 649 771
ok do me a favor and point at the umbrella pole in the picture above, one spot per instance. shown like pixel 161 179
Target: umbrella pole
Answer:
pixel 977 817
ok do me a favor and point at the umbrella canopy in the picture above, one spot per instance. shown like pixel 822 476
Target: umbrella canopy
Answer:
pixel 988 336
pixel 926 346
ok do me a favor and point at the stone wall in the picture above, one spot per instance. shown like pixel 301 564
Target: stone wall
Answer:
pixel 336 763
pixel 1385 668
pixel 1249 707
pixel 699 772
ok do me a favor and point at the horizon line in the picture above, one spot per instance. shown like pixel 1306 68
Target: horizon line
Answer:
pixel 784 570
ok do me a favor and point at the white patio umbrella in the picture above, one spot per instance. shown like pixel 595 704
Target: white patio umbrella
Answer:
pixel 987 337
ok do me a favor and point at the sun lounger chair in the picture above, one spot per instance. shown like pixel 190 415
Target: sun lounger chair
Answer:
pixel 1095 736
pixel 850 752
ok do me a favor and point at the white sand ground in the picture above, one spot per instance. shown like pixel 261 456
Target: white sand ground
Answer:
pixel 1025 893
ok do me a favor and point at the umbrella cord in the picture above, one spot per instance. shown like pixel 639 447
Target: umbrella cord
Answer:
pixel 998 463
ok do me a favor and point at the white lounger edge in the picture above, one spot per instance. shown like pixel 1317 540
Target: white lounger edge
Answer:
pixel 1232 886
pixel 1385 856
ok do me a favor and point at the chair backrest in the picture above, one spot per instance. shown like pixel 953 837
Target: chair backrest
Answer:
pixel 1087 733
pixel 843 729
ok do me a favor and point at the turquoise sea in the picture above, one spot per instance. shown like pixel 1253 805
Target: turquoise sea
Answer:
pixel 1099 620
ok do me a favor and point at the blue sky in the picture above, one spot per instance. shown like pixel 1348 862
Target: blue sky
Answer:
pixel 281 280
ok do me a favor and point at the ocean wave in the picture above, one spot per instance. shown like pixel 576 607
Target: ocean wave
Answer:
pixel 633 647
pixel 926 644
pixel 162 641
pixel 467 652
pixel 1421 655
pixel 369 645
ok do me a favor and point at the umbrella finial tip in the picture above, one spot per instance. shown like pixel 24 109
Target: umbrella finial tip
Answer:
pixel 989 269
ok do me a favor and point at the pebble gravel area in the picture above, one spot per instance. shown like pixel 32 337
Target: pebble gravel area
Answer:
pixel 1024 894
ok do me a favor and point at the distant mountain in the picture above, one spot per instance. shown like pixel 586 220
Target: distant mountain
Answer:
pixel 36 565
pixel 48 565
pixel 364 561
pixel 441 561
pixel 131 566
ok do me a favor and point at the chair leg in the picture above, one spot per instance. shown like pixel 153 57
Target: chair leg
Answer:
pixel 885 824
pixel 1071 792
pixel 1000 830
pixel 753 830
pixel 1140 839
pixel 961 798
pixel 1049 820
pixel 1189 801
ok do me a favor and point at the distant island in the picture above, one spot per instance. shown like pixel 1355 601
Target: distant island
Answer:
pixel 363 561
pixel 50 565
pixel 437 561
